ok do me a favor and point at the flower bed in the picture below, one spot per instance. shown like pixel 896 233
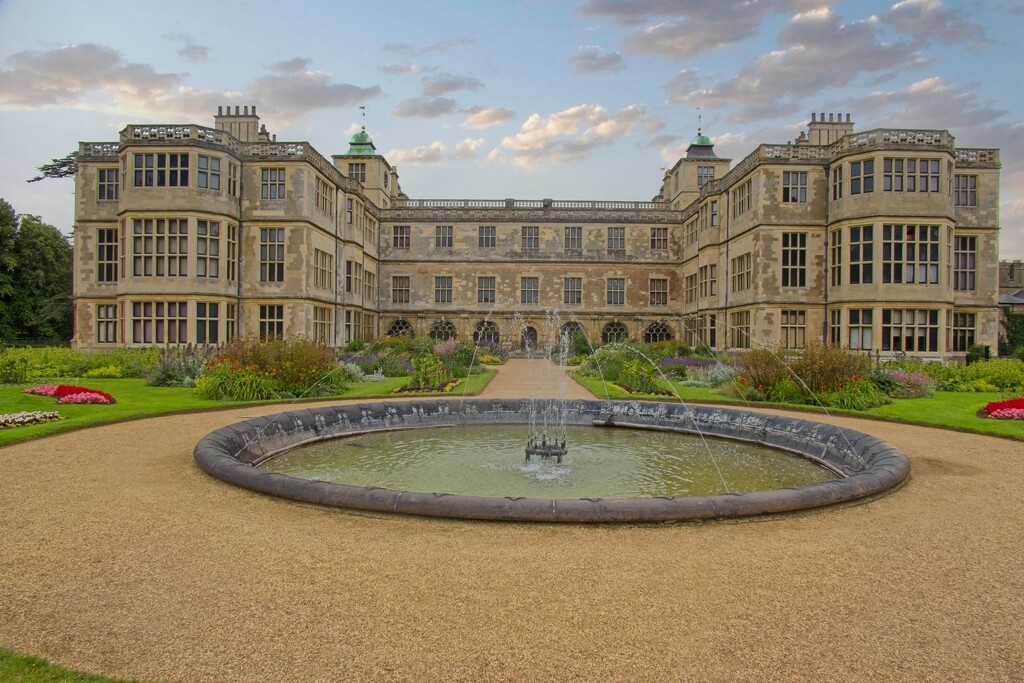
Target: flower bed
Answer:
pixel 1005 410
pixel 68 394
pixel 25 418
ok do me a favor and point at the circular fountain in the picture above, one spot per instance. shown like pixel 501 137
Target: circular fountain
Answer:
pixel 863 465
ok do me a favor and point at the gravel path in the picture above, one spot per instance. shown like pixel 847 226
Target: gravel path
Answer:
pixel 119 556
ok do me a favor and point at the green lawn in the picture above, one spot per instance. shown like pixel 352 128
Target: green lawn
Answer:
pixel 948 410
pixel 24 669
pixel 136 400
pixel 952 411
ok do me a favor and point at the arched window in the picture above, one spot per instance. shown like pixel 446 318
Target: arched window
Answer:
pixel 400 327
pixel 657 332
pixel 570 330
pixel 442 330
pixel 528 338
pixel 614 332
pixel 486 331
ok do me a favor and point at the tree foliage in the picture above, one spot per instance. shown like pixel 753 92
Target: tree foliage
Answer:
pixel 35 279
pixel 64 167
pixel 1013 327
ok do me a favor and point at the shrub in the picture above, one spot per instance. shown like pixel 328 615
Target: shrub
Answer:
pixel 911 385
pixel 764 368
pixel 580 344
pixel 447 348
pixel 296 365
pixel 1006 374
pixel 492 349
pixel 666 349
pixel 427 372
pixel 824 368
pixel 638 376
pixel 607 361
pixel 178 366
pixel 13 370
pixel 354 372
pixel 712 375
pixel 977 352
pixel 857 393
pixel 786 391
pixel 59 361
pixel 106 372
pixel 226 381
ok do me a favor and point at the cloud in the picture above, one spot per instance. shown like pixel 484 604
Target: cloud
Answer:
pixel 930 103
pixel 194 53
pixel 589 59
pixel 485 117
pixel 437 152
pixel 662 140
pixel 425 107
pixel 420 50
pixel 98 78
pixel 573 133
pixel 292 94
pixel 434 153
pixel 63 76
pixel 295 65
pixel 467 149
pixel 686 28
pixel 405 69
pixel 446 83
pixel 189 51
pixel 930 21
pixel 818 52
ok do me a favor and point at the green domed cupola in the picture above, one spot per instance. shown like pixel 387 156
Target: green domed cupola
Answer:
pixel 361 145
pixel 701 147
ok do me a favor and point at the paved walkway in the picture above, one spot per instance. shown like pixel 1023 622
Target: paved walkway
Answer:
pixel 533 378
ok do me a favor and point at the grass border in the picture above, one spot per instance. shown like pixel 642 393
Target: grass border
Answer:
pixel 476 384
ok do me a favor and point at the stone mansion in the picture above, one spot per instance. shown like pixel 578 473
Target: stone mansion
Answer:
pixel 885 241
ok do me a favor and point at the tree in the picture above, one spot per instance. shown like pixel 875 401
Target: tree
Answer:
pixel 35 279
pixel 64 167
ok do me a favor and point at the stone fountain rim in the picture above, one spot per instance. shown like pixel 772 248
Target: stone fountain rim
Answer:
pixel 872 465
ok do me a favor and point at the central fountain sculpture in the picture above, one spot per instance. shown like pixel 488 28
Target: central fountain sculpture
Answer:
pixel 546 440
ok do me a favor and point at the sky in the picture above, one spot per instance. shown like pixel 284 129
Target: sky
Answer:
pixel 528 99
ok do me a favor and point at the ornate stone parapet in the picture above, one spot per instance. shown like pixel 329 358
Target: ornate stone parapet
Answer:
pixel 539 210
pixel 977 158
pixel 97 149
pixel 886 137
pixel 168 133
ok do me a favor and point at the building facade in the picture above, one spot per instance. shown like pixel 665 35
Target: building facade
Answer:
pixel 885 241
